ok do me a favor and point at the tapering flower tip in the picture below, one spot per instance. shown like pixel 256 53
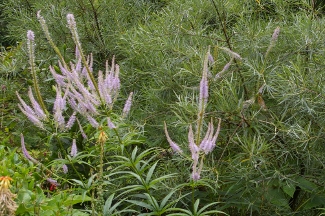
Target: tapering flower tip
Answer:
pixel 74 150
pixel 65 169
pixel 71 121
pixel 127 106
pixel 71 21
pixel 24 150
pixel 276 33
pixel 231 53
pixel 30 35
pixel 81 130
pixel 110 124
pixel 225 68
pixel 209 141
pixel 210 58
pixel 116 80
pixel 39 14
pixel 37 108
pixel 92 121
pixel 172 144
pixel 261 89
pixel 29 112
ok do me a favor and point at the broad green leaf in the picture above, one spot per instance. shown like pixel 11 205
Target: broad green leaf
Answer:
pixel 277 198
pixel 78 182
pixel 289 189
pixel 74 199
pixel 142 204
pixel 305 184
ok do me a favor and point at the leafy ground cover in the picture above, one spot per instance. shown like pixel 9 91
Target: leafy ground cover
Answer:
pixel 167 107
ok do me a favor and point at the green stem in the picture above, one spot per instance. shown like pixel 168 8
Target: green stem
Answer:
pixel 35 81
pixel 225 33
pixel 49 39
pixel 100 198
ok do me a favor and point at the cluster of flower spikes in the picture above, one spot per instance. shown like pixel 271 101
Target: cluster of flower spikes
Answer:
pixel 76 86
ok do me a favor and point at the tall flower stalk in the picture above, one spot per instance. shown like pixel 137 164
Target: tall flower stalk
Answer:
pixel 31 55
pixel 48 37
pixel 199 147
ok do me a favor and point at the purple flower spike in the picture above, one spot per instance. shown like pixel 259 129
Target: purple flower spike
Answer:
pixel 172 144
pixel 210 57
pixel 29 112
pixel 71 121
pixel 204 92
pixel 92 121
pixel 195 176
pixel 65 169
pixel 209 141
pixel 25 152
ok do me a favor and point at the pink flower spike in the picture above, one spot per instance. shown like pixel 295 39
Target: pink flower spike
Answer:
pixel 127 106
pixel 172 144
pixel 276 33
pixel 110 123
